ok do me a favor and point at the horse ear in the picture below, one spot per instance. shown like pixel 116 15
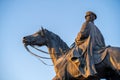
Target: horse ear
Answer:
pixel 42 31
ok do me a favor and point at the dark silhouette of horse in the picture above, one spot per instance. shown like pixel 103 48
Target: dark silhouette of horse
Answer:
pixel 64 67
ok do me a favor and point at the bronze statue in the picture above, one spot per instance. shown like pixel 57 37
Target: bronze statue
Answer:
pixel 90 59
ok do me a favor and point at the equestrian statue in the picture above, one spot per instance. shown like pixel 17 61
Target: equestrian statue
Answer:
pixel 87 59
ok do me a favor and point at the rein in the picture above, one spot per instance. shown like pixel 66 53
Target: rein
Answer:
pixel 39 57
pixel 40 50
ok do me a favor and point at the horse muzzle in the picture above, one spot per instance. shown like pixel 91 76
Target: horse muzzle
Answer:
pixel 26 41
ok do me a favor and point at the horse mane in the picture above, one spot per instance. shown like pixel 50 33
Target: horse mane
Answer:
pixel 59 41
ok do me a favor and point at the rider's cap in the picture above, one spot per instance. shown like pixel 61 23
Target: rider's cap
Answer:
pixel 89 13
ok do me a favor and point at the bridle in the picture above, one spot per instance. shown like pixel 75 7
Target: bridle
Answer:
pixel 37 56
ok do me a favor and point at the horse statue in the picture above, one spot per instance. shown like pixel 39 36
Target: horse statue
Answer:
pixel 64 67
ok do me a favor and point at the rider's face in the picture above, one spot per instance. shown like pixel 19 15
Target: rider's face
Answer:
pixel 90 18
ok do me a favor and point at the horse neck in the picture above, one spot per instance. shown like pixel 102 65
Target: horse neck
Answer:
pixel 56 50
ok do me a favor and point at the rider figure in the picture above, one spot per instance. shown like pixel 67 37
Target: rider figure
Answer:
pixel 91 42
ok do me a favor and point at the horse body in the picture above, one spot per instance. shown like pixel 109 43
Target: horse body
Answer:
pixel 60 54
pixel 109 68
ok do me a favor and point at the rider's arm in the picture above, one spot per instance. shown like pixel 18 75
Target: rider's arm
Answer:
pixel 83 34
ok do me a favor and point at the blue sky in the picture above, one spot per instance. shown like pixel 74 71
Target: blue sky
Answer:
pixel 19 18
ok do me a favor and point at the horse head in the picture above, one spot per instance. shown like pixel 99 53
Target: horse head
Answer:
pixel 56 46
pixel 38 38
